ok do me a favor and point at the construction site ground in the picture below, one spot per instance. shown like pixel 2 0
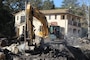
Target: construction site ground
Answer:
pixel 58 49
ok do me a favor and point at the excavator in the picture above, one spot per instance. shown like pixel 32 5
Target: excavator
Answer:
pixel 30 33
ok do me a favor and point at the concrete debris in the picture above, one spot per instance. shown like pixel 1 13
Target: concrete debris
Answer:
pixel 78 42
pixel 2 56
pixel 53 50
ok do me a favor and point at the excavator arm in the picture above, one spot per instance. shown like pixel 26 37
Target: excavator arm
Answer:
pixel 33 12
pixel 41 17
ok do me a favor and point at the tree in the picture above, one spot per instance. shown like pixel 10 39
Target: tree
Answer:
pixel 1 3
pixel 36 3
pixel 15 5
pixel 71 4
pixel 6 22
pixel 47 4
pixel 18 5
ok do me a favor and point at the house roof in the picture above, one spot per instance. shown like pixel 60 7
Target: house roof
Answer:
pixel 58 11
pixel 55 11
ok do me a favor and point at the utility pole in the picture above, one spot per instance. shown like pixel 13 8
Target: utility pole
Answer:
pixel 25 28
pixel 88 19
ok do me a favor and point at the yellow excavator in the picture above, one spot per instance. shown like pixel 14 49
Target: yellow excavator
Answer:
pixel 30 13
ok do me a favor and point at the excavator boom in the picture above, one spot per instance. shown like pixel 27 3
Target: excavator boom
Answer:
pixel 41 17
pixel 33 12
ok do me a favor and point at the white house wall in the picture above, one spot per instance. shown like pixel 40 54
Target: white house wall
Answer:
pixel 17 22
pixel 63 23
pixel 60 22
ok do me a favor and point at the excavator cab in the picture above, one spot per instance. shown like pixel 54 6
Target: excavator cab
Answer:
pixel 55 30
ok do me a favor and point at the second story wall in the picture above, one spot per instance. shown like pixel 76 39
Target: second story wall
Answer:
pixel 58 20
pixel 19 18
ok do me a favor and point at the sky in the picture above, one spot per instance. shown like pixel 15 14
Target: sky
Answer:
pixel 58 3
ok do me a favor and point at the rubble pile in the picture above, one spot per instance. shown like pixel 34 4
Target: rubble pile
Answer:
pixel 82 43
pixel 56 50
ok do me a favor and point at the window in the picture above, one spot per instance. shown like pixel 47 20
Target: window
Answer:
pixel 62 16
pixel 54 29
pixel 23 29
pixel 79 24
pixel 74 30
pixel 49 16
pixel 70 22
pixel 51 29
pixel 78 31
pixel 55 16
pixel 72 19
pixel 22 19
pixel 74 23
pixel 17 17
